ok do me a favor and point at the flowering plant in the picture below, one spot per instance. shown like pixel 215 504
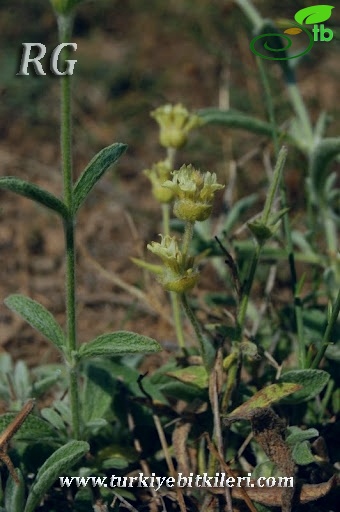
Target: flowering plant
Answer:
pixel 175 123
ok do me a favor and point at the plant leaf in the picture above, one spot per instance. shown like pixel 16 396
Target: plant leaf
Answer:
pixel 314 14
pixel 235 119
pixel 151 267
pixel 302 453
pixel 35 193
pixel 53 418
pixel 297 435
pixel 311 382
pixel 97 393
pixel 57 464
pixel 38 317
pixel 119 343
pixel 263 398
pixel 21 380
pixel 333 352
pixel 94 171
pixel 15 493
pixel 323 153
pixel 41 386
pixel 179 390
pixel 266 468
pixel 32 429
pixel 195 375
pixel 298 440
pixel 236 211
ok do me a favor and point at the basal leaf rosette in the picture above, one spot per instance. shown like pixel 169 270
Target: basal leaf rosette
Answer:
pixel 175 123
pixel 194 192
pixel 158 175
pixel 178 273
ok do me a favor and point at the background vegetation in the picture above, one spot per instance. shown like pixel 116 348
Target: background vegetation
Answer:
pixel 132 57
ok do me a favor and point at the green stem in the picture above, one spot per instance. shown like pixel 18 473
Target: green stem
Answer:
pixel 175 306
pixel 241 315
pixel 328 332
pixel 176 310
pixel 276 180
pixel 65 30
pixel 269 103
pixel 326 399
pixel 231 382
pixel 187 237
pixel 294 283
pixel 203 344
pixel 166 218
pixel 72 327
pixel 193 320
pixel 300 331
pixel 286 222
pixel 331 236
pixel 251 13
pixel 171 155
pixel 176 313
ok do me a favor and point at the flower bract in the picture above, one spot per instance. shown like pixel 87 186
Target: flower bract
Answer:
pixel 179 274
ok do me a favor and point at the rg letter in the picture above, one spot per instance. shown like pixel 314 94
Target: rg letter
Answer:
pixel 25 59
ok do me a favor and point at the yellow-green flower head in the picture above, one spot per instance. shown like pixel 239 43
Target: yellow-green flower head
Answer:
pixel 158 174
pixel 64 6
pixel 178 273
pixel 169 253
pixel 175 123
pixel 194 192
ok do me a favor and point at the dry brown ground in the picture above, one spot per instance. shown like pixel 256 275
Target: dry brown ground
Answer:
pixel 131 58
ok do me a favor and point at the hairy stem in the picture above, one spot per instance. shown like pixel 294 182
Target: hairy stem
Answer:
pixel 187 237
pixel 175 306
pixel 65 30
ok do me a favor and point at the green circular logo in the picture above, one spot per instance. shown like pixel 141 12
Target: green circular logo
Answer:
pixel 289 43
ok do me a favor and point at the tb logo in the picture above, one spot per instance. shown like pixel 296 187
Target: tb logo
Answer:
pixel 269 45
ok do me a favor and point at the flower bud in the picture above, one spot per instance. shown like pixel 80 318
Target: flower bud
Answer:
pixel 175 124
pixel 158 174
pixel 181 284
pixel 262 231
